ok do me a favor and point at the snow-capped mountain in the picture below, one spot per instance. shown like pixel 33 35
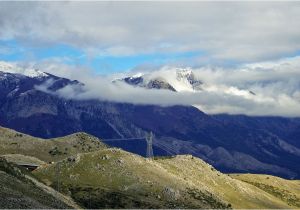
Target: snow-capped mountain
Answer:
pixel 188 79
pixel 16 81
pixel 29 72
pixel 181 80
pixel 149 83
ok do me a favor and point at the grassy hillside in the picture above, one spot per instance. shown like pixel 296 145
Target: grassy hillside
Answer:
pixel 112 178
pixel 12 142
pixel 285 190
pixel 96 176
pixel 204 176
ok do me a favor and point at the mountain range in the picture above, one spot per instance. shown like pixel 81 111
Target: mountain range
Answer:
pixel 231 143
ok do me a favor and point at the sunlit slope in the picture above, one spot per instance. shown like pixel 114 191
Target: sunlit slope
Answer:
pixel 113 178
pixel 204 176
pixel 285 190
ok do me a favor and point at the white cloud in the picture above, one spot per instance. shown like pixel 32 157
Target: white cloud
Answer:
pixel 244 31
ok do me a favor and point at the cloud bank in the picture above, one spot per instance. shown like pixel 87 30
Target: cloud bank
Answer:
pixel 260 89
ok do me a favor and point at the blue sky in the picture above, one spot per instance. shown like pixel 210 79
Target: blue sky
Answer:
pixel 15 51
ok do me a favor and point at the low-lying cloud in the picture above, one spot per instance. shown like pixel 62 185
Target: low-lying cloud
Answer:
pixel 268 88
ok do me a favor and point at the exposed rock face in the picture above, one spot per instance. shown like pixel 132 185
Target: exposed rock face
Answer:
pixel 231 143
pixel 156 83
pixel 184 76
pixel 160 84
pixel 188 75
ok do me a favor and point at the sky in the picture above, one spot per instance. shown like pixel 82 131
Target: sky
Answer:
pixel 229 45
pixel 119 36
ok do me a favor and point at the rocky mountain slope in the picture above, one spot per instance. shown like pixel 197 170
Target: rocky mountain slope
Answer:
pixel 112 178
pixel 140 81
pixel 230 143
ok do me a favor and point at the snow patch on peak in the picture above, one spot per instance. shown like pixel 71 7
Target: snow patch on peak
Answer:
pixel 184 73
pixel 7 67
pixel 15 69
pixel 137 75
pixel 34 73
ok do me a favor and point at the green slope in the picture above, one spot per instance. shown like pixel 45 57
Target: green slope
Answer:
pixel 113 178
pixel 204 176
pixel 285 190
pixel 12 142
pixel 94 178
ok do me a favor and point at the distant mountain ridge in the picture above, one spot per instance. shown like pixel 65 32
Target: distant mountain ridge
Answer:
pixel 230 143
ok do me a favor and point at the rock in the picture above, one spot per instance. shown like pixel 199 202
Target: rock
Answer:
pixel 74 176
pixel 105 157
pixel 98 166
pixel 77 158
pixel 71 159
pixel 171 193
pixel 120 161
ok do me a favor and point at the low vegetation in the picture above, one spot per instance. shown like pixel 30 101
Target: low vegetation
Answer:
pixel 12 142
pixel 285 190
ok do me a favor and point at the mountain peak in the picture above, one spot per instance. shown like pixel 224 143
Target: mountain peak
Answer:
pixel 137 75
pixel 15 69
pixel 34 73
pixel 184 72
